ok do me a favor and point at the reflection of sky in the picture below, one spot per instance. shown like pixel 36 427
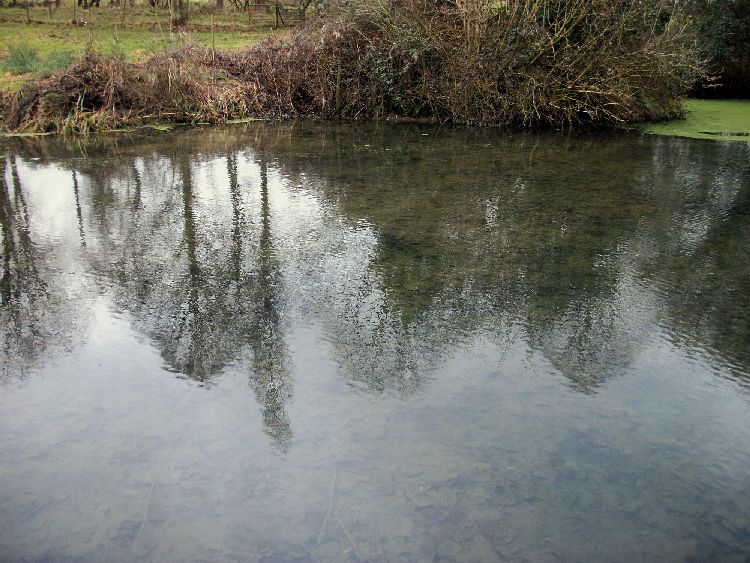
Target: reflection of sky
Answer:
pixel 49 195
pixel 149 466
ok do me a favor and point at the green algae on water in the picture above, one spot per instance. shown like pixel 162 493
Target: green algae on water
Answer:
pixel 725 120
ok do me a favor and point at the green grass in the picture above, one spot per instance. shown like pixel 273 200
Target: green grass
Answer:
pixel 23 59
pixel 48 39
pixel 709 119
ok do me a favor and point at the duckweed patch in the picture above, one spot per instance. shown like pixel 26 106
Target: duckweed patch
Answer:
pixel 725 120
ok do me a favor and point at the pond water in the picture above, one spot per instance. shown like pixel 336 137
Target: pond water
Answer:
pixel 285 342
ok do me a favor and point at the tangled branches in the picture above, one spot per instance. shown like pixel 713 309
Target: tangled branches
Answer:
pixel 532 63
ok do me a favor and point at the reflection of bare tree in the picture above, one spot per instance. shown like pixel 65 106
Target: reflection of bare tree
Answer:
pixel 184 311
pixel 456 251
pixel 445 240
pixel 36 311
pixel 202 294
pixel 540 235
pixel 79 213
pixel 21 288
pixel 137 204
pixel 238 222
pixel 697 255
pixel 270 378
pixel 188 345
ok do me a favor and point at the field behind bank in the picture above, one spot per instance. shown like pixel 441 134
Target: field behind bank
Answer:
pixel 52 40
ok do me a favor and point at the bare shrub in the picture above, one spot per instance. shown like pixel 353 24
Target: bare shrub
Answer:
pixel 554 63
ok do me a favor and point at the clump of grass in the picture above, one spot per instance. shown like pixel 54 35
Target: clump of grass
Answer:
pixel 23 59
pixel 532 63
pixel 57 61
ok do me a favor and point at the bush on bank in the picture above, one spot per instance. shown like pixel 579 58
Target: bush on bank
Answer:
pixel 530 63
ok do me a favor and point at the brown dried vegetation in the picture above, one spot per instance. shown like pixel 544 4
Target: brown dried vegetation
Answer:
pixel 534 63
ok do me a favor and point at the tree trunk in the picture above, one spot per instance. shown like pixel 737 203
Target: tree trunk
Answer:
pixel 179 12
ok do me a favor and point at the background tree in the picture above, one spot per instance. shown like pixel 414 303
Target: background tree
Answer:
pixel 723 28
pixel 179 10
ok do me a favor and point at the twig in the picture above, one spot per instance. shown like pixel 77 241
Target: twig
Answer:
pixel 310 553
pixel 331 502
pixel 349 537
pixel 145 511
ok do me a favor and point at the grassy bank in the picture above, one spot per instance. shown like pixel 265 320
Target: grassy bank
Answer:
pixel 531 63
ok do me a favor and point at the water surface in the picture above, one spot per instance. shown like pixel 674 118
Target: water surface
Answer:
pixel 334 342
